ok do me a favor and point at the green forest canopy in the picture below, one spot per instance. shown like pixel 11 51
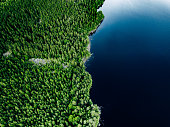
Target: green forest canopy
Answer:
pixel 56 92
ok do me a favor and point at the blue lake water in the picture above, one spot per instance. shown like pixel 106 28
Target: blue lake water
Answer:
pixel 130 65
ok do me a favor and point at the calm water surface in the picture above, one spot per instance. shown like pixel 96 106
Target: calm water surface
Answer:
pixel 130 65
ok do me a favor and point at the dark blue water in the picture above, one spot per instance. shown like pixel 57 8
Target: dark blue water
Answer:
pixel 130 65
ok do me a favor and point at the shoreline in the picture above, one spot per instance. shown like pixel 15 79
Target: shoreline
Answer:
pixel 85 60
pixel 93 31
pixel 90 34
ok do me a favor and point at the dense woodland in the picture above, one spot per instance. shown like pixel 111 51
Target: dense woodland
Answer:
pixel 49 94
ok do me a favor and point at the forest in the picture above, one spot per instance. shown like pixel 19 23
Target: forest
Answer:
pixel 43 81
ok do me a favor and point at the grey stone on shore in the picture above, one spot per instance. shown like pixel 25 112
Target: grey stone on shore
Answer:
pixel 88 47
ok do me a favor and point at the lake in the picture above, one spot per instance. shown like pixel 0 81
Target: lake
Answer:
pixel 130 64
